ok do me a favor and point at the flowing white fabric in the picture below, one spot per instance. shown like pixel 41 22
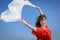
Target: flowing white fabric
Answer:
pixel 14 10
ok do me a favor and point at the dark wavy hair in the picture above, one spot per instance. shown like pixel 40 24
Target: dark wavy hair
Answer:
pixel 40 18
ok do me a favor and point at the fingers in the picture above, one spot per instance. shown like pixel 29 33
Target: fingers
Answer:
pixel 21 20
pixel 38 8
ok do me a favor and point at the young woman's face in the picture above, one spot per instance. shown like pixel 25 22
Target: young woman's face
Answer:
pixel 43 22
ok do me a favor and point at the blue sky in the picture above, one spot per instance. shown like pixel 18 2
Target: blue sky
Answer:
pixel 18 31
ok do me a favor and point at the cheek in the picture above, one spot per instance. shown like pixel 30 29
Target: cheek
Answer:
pixel 44 22
pixel 41 22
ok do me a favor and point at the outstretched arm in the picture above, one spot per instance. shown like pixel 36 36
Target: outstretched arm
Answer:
pixel 39 9
pixel 28 25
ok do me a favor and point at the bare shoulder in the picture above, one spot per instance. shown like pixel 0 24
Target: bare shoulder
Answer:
pixel 34 29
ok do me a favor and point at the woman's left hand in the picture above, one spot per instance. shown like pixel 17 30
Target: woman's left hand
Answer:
pixel 37 7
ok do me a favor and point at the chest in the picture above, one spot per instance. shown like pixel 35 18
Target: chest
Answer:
pixel 46 32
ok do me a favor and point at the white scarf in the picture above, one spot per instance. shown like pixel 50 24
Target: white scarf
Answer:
pixel 14 10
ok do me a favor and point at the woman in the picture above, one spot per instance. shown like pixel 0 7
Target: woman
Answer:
pixel 41 31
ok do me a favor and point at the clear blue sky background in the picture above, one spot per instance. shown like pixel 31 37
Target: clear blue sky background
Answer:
pixel 18 31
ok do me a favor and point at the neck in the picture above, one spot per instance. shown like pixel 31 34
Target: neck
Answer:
pixel 43 26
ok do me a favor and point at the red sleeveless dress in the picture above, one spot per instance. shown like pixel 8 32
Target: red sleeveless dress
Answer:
pixel 42 34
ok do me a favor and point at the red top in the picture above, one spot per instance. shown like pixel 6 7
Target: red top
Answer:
pixel 42 34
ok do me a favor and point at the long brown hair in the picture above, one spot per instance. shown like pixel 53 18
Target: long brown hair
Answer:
pixel 40 18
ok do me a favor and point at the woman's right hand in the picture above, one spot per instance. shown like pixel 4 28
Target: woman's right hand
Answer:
pixel 22 20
